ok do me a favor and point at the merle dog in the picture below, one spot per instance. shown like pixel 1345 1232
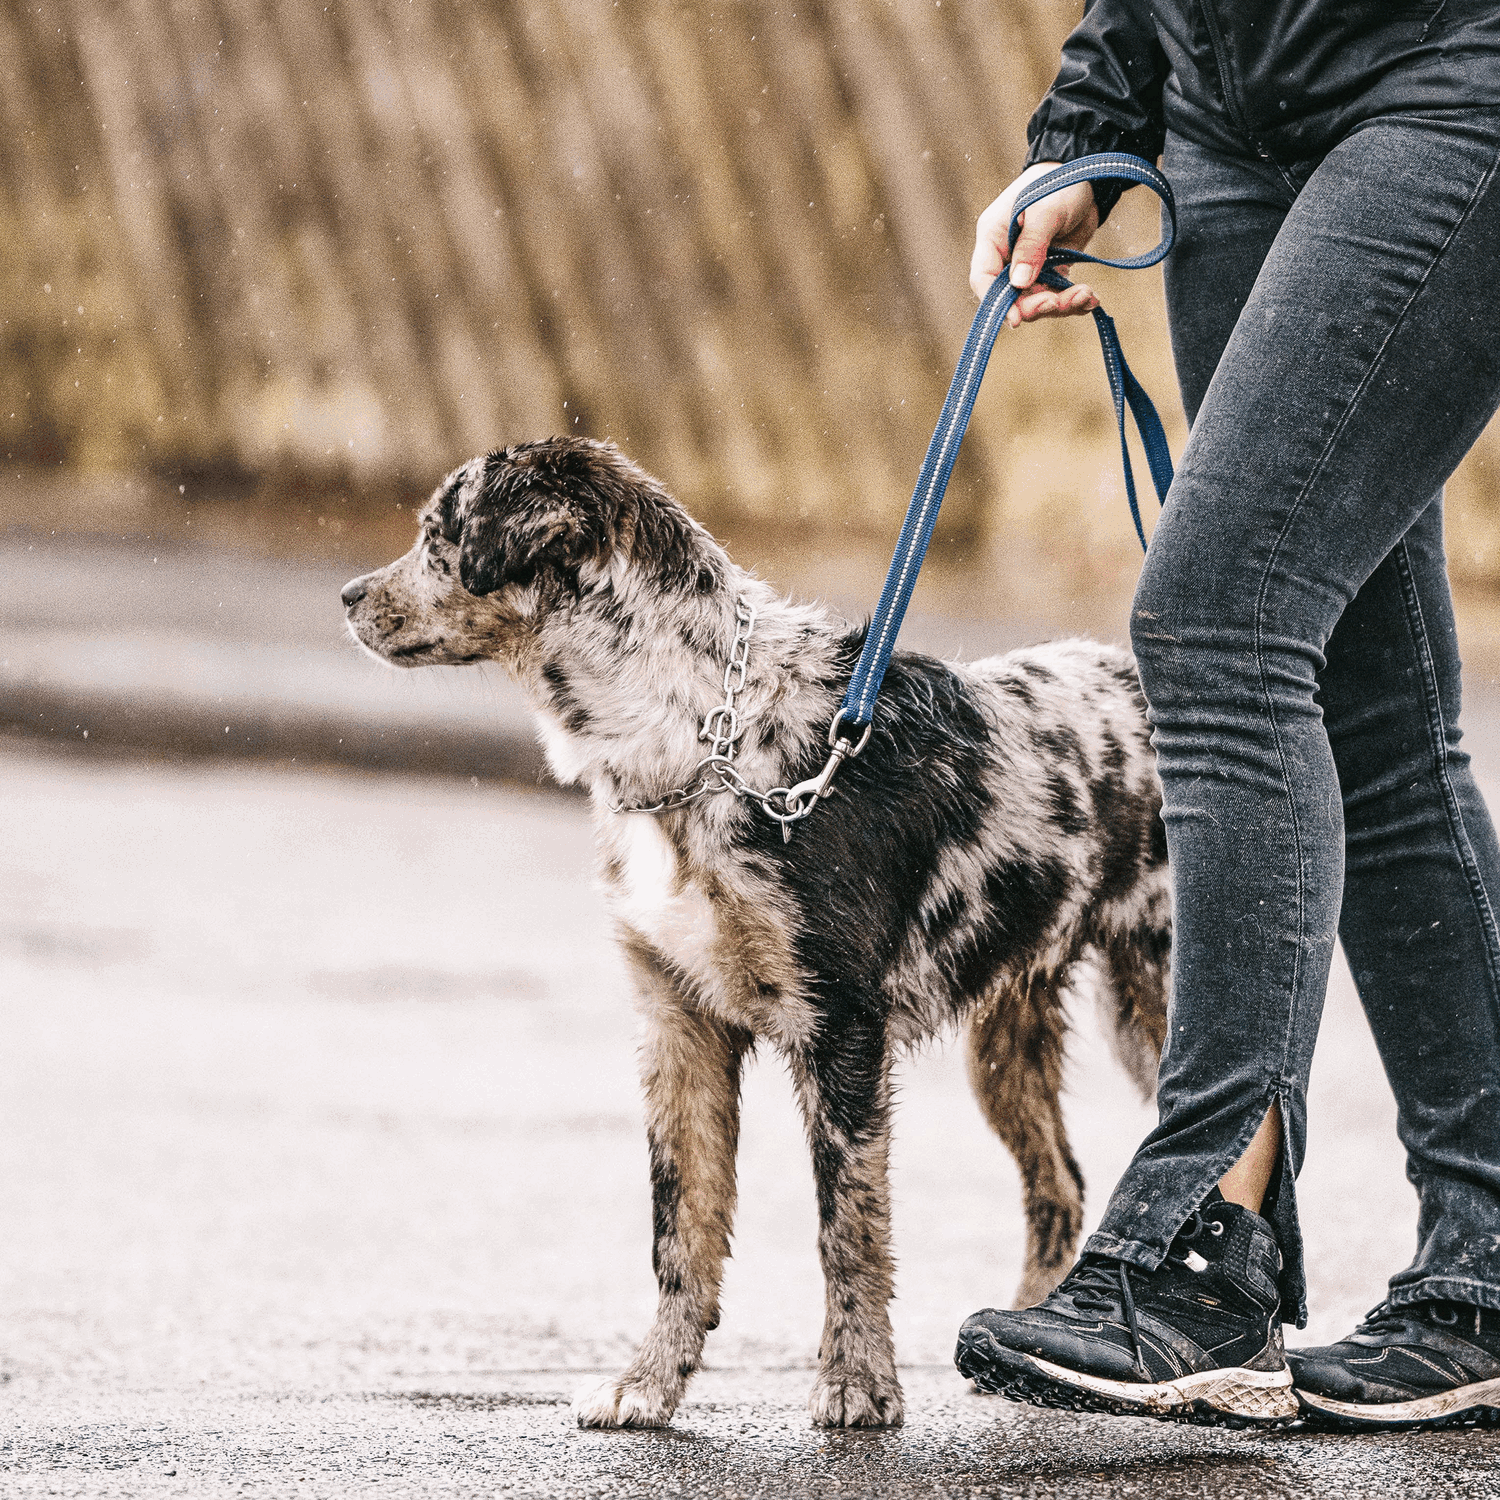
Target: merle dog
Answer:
pixel 1001 825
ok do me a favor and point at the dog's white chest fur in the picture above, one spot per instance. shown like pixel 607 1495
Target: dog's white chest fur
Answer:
pixel 672 914
pixel 560 749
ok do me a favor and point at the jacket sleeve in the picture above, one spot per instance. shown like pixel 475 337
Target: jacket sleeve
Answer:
pixel 1107 95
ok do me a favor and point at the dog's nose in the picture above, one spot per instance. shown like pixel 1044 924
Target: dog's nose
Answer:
pixel 353 591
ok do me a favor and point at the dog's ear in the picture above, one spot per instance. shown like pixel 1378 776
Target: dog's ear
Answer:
pixel 540 509
pixel 497 548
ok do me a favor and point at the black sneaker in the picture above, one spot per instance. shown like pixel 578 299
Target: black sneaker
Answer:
pixel 1433 1364
pixel 1195 1340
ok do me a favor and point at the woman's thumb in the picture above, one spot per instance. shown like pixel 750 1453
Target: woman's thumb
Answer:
pixel 1032 244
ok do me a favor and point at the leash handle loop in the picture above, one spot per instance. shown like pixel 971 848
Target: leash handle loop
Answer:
pixel 1102 166
pixel 857 710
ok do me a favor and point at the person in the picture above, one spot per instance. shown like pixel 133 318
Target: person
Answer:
pixel 1332 309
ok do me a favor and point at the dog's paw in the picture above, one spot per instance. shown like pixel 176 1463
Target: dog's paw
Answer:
pixel 849 1399
pixel 624 1403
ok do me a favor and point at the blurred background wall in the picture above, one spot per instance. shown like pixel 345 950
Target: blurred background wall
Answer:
pixel 313 253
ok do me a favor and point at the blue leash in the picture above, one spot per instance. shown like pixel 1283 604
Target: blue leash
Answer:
pixel 850 731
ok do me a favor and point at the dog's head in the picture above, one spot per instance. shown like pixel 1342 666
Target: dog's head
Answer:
pixel 509 537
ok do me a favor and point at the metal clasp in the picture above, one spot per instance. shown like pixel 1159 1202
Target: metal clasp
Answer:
pixel 815 788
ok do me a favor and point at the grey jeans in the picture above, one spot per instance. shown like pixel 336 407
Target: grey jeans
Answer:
pixel 1336 328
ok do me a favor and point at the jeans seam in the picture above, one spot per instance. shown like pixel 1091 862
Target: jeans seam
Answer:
pixel 1286 781
pixel 1438 739
pixel 1265 583
pixel 1287 178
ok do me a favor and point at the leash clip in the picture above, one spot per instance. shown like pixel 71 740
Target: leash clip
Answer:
pixel 815 788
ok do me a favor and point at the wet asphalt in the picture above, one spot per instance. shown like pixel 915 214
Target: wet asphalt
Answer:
pixel 743 1434
pixel 324 1175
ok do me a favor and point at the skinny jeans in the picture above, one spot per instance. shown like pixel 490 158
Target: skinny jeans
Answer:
pixel 1336 331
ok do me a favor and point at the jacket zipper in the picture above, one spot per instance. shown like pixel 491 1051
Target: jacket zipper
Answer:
pixel 1226 78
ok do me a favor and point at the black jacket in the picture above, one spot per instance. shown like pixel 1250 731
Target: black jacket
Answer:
pixel 1281 79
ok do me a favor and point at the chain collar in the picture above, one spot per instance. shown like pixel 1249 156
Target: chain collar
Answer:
pixel 722 729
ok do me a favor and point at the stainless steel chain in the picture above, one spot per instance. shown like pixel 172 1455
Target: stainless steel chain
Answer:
pixel 722 729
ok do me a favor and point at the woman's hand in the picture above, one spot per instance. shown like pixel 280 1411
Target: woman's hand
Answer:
pixel 1067 218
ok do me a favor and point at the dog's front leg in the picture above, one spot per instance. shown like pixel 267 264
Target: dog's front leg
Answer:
pixel 844 1083
pixel 690 1066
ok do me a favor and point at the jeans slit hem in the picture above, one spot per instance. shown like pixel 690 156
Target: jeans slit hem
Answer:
pixel 1148 1256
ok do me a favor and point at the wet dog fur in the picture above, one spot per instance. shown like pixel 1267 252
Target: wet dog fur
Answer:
pixel 1001 827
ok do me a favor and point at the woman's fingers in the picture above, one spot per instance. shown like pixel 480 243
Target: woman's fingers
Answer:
pixel 1046 303
pixel 1041 224
pixel 992 232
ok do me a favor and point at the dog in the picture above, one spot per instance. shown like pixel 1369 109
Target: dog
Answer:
pixel 1001 826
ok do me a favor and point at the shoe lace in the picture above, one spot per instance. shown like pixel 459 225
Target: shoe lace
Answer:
pixel 1101 1284
pixel 1383 1318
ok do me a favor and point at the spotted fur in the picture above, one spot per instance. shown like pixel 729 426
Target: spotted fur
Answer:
pixel 1001 828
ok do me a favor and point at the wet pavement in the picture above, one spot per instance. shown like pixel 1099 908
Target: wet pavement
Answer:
pixel 740 1436
pixel 324 1174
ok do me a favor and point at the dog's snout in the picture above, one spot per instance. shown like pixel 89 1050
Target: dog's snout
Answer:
pixel 353 591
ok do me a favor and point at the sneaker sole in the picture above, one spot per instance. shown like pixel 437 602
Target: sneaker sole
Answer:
pixel 1215 1398
pixel 1465 1406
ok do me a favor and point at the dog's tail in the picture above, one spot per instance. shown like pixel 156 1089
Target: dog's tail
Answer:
pixel 1132 998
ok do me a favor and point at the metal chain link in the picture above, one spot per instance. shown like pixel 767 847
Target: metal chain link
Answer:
pixel 722 729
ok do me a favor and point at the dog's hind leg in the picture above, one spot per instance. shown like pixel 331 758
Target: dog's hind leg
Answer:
pixel 690 1068
pixel 1015 1068
pixel 843 1081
